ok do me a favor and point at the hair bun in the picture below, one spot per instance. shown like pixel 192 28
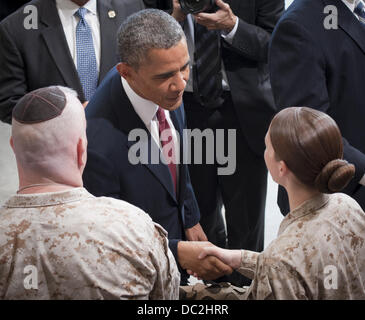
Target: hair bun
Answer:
pixel 335 176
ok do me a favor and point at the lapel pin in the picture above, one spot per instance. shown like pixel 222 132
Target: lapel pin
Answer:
pixel 111 14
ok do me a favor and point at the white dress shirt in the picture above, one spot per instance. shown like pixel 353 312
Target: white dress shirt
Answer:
pixel 351 4
pixel 147 110
pixel 66 11
pixel 362 181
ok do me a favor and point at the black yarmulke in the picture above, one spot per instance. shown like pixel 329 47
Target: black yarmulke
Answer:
pixel 40 105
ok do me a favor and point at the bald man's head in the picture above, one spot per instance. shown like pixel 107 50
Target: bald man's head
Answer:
pixel 47 126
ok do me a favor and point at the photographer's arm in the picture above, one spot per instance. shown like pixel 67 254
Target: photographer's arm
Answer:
pixel 249 40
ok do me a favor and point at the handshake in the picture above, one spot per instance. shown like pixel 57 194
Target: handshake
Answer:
pixel 205 261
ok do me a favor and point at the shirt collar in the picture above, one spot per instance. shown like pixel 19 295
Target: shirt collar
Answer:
pixel 145 109
pixel 69 8
pixel 46 199
pixel 308 207
pixel 351 4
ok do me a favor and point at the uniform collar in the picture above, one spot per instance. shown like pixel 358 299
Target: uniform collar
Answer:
pixel 46 199
pixel 310 206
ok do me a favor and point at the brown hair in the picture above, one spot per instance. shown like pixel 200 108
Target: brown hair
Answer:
pixel 310 143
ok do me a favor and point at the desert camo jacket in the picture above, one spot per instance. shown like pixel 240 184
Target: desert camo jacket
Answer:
pixel 72 245
pixel 319 254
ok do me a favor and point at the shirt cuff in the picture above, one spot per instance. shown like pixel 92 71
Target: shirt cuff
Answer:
pixel 248 263
pixel 229 36
pixel 362 181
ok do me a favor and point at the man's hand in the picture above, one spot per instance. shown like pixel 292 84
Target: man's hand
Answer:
pixel 195 233
pixel 223 19
pixel 209 268
pixel 229 257
pixel 85 104
pixel 177 12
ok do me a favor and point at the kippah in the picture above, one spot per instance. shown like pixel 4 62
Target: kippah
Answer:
pixel 40 105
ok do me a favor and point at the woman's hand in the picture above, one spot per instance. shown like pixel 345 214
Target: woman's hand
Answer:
pixel 229 257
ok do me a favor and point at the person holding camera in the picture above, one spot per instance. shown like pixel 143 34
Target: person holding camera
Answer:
pixel 230 89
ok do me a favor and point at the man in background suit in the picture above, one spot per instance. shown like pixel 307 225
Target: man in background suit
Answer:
pixel 317 59
pixel 144 93
pixel 9 7
pixel 50 54
pixel 244 103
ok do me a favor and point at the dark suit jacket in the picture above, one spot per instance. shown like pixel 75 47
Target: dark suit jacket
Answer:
pixel 324 69
pixel 32 59
pixel 111 117
pixel 9 7
pixel 245 62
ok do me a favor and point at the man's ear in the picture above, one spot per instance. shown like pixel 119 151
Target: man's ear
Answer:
pixel 81 153
pixel 125 70
pixel 11 143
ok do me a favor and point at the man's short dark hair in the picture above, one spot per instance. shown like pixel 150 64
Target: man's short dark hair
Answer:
pixel 145 30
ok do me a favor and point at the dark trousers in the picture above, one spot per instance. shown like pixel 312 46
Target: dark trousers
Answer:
pixel 243 193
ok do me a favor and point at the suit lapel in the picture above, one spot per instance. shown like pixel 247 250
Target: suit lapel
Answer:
pixel 127 121
pixel 159 170
pixel 55 40
pixel 349 23
pixel 108 24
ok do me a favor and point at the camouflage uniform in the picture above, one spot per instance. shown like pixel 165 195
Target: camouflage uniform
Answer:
pixel 319 254
pixel 216 291
pixel 82 247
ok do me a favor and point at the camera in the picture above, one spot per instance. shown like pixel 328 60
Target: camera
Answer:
pixel 187 6
pixel 196 6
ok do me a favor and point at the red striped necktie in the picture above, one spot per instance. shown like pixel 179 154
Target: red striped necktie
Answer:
pixel 165 132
